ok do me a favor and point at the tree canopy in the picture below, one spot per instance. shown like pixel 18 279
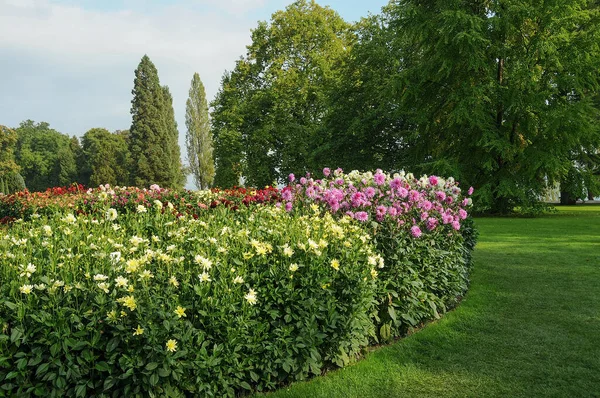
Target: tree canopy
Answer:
pixel 153 135
pixel 106 158
pixel 275 99
pixel 198 140
pixel 45 156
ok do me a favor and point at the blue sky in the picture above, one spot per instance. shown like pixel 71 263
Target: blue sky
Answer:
pixel 70 62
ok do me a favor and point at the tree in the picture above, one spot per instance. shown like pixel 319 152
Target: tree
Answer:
pixel 365 126
pixel 198 137
pixel 150 144
pixel 501 91
pixel 275 100
pixel 178 176
pixel 8 140
pixel 10 179
pixel 106 158
pixel 44 156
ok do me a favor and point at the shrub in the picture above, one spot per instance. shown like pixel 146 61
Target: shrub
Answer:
pixel 421 230
pixel 151 304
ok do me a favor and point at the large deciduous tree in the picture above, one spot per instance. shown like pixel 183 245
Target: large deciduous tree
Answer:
pixel 105 158
pixel 45 156
pixel 365 126
pixel 501 91
pixel 198 138
pixel 276 98
pixel 152 141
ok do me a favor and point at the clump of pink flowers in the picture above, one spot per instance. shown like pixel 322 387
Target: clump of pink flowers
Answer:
pixel 418 205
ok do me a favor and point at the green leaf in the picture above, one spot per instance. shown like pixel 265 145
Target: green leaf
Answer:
pixel 112 344
pixel 245 385
pixel 392 313
pixel 80 390
pixel 42 369
pixel 109 382
pixel 102 367
pixel 162 372
pixel 151 366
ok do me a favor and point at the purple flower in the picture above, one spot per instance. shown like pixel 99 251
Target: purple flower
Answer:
pixel 456 225
pixel 326 171
pixel 339 181
pixel 415 231
pixel 431 223
pixel 447 218
pixel 424 216
pixel 379 178
pixel 358 199
pixel 392 211
pixel 303 181
pixel 310 192
pixel 440 195
pixel 288 206
pixel 470 192
pixel 414 195
pixel 396 183
pixel 427 205
pixel 433 180
pixel 292 177
pixel 403 192
pixel 361 216
pixel 286 195
pixel 381 210
pixel 465 202
pixel 462 214
pixel 370 192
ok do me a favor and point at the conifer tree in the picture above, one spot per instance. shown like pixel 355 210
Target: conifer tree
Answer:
pixel 198 138
pixel 172 144
pixel 148 136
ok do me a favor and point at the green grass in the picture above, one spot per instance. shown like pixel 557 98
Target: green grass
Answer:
pixel 529 326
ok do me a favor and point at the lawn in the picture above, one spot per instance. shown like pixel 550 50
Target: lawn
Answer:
pixel 529 326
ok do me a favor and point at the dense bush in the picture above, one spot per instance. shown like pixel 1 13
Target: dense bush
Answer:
pixel 148 303
pixel 152 292
pixel 420 227
pixel 11 183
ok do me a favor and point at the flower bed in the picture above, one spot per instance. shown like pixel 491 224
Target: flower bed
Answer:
pixel 124 292
pixel 420 227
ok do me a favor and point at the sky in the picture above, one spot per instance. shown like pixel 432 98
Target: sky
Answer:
pixel 71 63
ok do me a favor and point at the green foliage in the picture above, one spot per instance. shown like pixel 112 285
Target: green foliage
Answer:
pixel 199 141
pixel 8 140
pixel 11 183
pixel 422 279
pixel 243 310
pixel 151 137
pixel 10 179
pixel 143 299
pixel 364 127
pixel 276 97
pixel 501 92
pixel 105 158
pixel 178 177
pixel 45 156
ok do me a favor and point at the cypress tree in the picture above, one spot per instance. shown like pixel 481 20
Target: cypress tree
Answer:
pixel 198 138
pixel 148 136
pixel 174 152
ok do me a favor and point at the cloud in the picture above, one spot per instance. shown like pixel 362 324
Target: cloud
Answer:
pixel 65 62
